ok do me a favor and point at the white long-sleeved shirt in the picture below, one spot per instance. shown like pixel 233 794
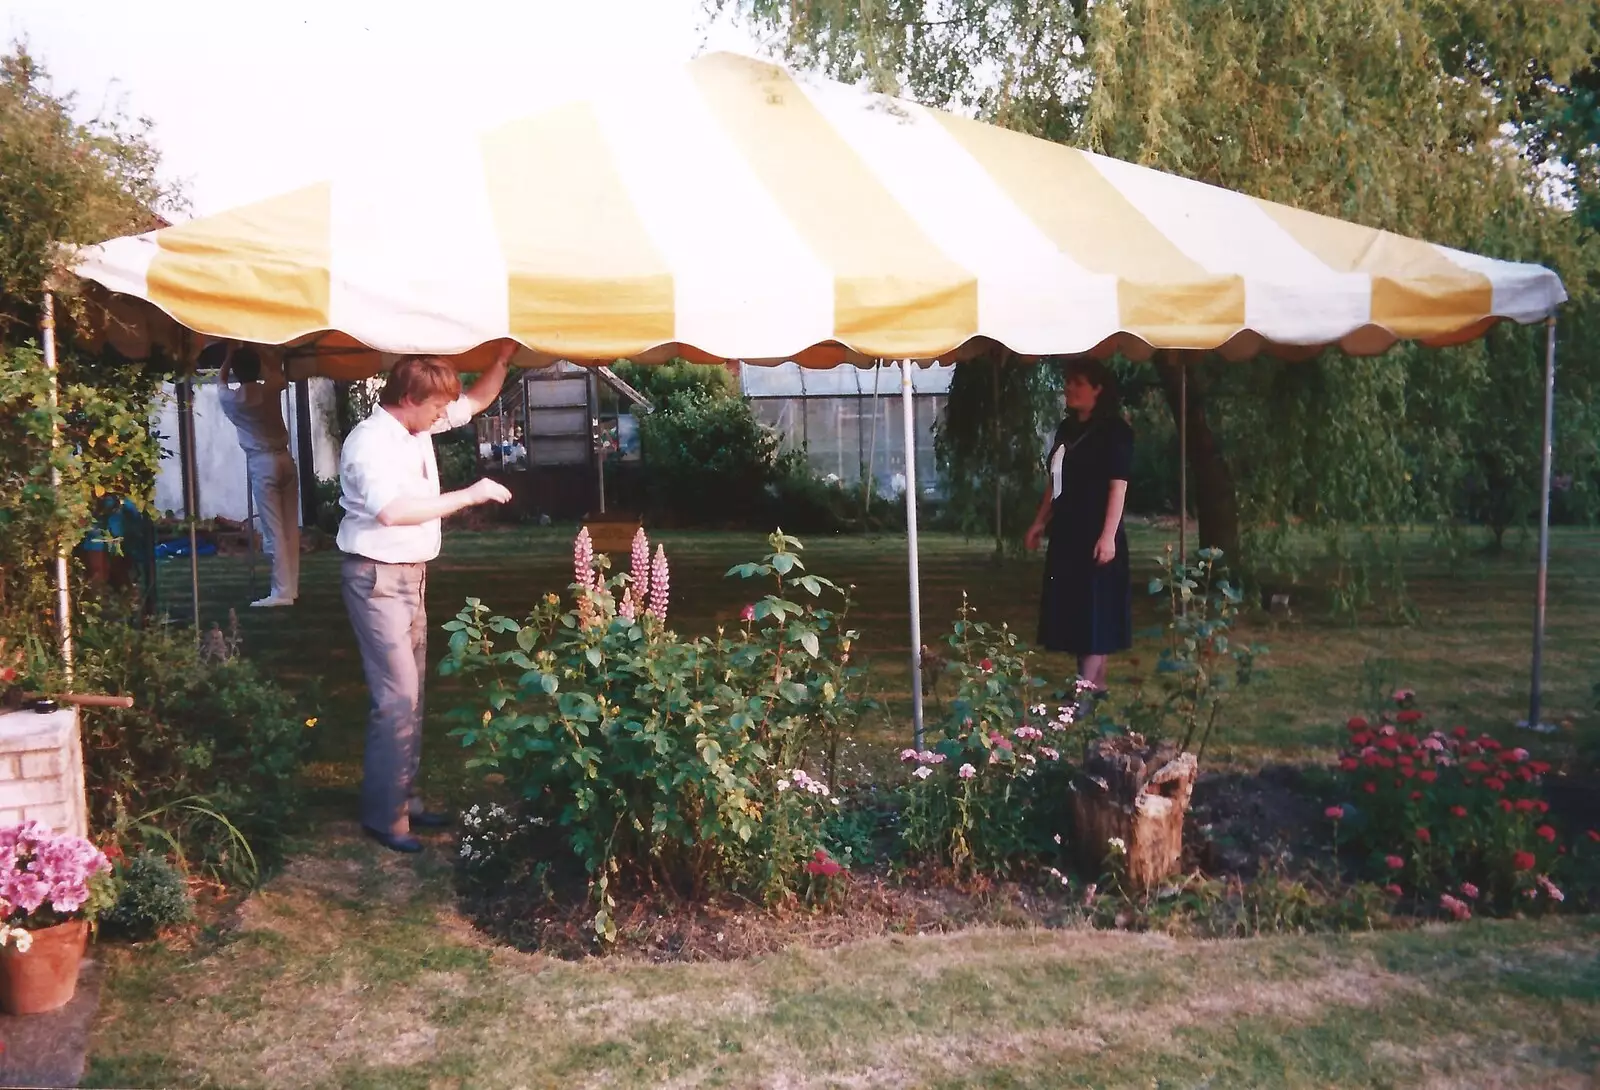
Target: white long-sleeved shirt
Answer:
pixel 382 462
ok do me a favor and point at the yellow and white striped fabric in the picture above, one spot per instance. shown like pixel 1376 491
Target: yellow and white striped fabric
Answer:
pixel 730 209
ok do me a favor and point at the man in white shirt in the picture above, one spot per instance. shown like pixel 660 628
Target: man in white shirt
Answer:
pixel 390 531
pixel 253 403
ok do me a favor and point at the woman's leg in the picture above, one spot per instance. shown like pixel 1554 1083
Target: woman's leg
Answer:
pixel 1092 668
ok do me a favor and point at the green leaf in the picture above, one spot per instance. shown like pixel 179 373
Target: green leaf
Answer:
pixel 808 640
pixel 593 655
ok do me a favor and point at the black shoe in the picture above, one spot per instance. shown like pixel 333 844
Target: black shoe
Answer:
pixel 410 845
pixel 432 819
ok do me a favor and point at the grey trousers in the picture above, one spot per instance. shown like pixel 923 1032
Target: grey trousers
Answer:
pixel 389 615
pixel 275 487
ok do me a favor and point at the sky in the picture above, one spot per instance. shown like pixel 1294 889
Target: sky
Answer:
pixel 253 99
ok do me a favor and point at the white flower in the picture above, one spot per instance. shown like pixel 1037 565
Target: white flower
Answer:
pixel 1049 754
pixel 783 785
pixel 909 755
pixel 1038 709
pixel 1058 838
pixel 923 773
pixel 1117 845
pixel 966 772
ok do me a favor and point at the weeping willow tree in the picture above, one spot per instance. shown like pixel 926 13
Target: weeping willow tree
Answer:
pixel 1417 116
pixel 991 440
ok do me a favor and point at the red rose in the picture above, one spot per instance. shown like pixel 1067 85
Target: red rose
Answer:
pixel 1410 715
pixel 1522 861
pixel 1460 732
pixel 1349 764
pixel 1494 784
pixel 1541 806
pixel 1394 862
pixel 1505 804
pixel 1357 723
pixel 1477 766
pixel 1370 788
pixel 1409 741
pixel 1539 768
pixel 1416 796
pixel 1488 743
pixel 1362 739
pixel 1524 805
pixel 1545 832
pixel 1388 741
pixel 1458 811
pixel 1427 775
pixel 1594 835
pixel 987 666
pixel 1407 771
pixel 1424 836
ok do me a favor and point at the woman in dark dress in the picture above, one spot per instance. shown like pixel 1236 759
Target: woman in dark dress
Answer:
pixel 1087 605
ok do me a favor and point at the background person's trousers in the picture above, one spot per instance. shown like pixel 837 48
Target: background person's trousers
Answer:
pixel 388 613
pixel 275 486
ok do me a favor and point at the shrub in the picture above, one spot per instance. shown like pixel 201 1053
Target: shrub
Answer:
pixel 1446 815
pixel 204 764
pixel 708 457
pixel 153 896
pixel 982 799
pixel 656 758
pixel 1201 665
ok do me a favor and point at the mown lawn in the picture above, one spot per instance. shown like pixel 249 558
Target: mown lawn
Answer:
pixel 354 968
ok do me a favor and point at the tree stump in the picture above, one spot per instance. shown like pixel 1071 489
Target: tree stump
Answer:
pixel 1136 793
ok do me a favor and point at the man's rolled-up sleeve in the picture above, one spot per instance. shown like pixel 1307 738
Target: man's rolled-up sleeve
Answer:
pixel 456 414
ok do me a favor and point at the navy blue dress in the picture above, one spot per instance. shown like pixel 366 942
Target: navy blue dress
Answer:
pixel 1086 608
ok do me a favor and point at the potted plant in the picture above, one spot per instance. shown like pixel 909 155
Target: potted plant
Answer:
pixel 51 887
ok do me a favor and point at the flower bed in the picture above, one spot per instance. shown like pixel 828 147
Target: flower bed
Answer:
pixel 1446 817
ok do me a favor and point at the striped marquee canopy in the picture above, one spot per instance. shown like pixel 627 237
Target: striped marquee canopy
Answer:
pixel 730 209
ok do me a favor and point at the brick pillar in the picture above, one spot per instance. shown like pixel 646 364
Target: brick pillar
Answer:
pixel 41 771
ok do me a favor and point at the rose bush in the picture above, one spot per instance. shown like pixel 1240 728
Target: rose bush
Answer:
pixel 987 796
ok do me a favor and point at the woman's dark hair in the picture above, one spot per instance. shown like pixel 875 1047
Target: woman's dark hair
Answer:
pixel 1096 374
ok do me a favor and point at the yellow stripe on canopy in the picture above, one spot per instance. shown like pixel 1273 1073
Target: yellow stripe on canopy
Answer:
pixel 255 273
pixel 1162 295
pixel 1417 292
pixel 895 292
pixel 583 277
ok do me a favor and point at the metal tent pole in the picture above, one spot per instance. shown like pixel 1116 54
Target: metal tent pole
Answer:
pixel 250 522
pixel 908 420
pixel 999 538
pixel 191 499
pixel 63 586
pixel 1535 696
pixel 1183 459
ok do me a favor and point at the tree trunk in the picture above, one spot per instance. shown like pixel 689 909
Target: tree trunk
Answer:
pixel 1213 492
pixel 1137 794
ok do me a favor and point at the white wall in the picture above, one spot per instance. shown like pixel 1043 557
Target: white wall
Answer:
pixel 221 481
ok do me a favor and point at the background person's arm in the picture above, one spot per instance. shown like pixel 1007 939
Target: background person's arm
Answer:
pixel 416 510
pixel 1105 550
pixel 1041 522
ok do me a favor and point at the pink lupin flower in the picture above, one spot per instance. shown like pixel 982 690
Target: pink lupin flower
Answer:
pixel 640 567
pixel 659 582
pixel 583 560
pixel 626 609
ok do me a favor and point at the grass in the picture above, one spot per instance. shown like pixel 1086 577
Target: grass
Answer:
pixel 353 967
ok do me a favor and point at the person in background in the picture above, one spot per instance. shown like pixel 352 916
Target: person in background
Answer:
pixel 1087 605
pixel 251 397
pixel 391 529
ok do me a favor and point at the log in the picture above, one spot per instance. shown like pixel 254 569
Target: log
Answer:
pixel 1136 793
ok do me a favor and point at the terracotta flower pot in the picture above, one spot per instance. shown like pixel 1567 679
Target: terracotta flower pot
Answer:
pixel 47 975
